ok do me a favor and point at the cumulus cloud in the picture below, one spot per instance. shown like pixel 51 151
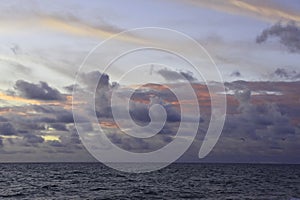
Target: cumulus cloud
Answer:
pixel 98 83
pixel 41 91
pixel 263 123
pixel 289 35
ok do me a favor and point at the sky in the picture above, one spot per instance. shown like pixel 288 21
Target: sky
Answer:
pixel 255 45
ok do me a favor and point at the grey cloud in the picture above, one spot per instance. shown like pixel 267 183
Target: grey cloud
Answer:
pixel 98 82
pixel 285 74
pixel 282 73
pixel 32 139
pixel 44 120
pixel 42 108
pixel 7 128
pixel 3 119
pixel 236 74
pixel 257 122
pixel 94 78
pixel 64 116
pixel 140 111
pixel 71 139
pixel 55 143
pixel 55 115
pixel 243 96
pixel 176 76
pixel 41 91
pixel 59 126
pixel 70 88
pixel 139 145
pixel 289 35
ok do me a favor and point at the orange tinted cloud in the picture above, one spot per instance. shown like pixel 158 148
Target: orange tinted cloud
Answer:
pixel 108 124
pixel 17 99
pixel 79 28
pixel 257 9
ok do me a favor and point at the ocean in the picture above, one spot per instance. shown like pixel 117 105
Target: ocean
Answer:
pixel 177 181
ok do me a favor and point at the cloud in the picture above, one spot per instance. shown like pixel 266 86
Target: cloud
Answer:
pixel 176 76
pixel 3 119
pixel 41 91
pixel 139 145
pixel 289 35
pixel 236 74
pixel 59 126
pixel 257 9
pixel 81 28
pixel 97 84
pixel 64 116
pixel 286 74
pixel 282 73
pixel 70 25
pixel 257 123
pixel 140 111
pixel 94 78
pixel 243 96
pixel 7 128
pixel 32 139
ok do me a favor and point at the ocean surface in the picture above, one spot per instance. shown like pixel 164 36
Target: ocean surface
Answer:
pixel 177 181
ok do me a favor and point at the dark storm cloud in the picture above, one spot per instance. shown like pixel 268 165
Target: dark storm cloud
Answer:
pixel 169 75
pixel 41 91
pixel 289 35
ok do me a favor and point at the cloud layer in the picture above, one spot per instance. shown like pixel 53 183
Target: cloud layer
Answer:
pixel 262 120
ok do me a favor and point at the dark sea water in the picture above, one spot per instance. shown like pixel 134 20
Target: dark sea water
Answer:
pixel 178 181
